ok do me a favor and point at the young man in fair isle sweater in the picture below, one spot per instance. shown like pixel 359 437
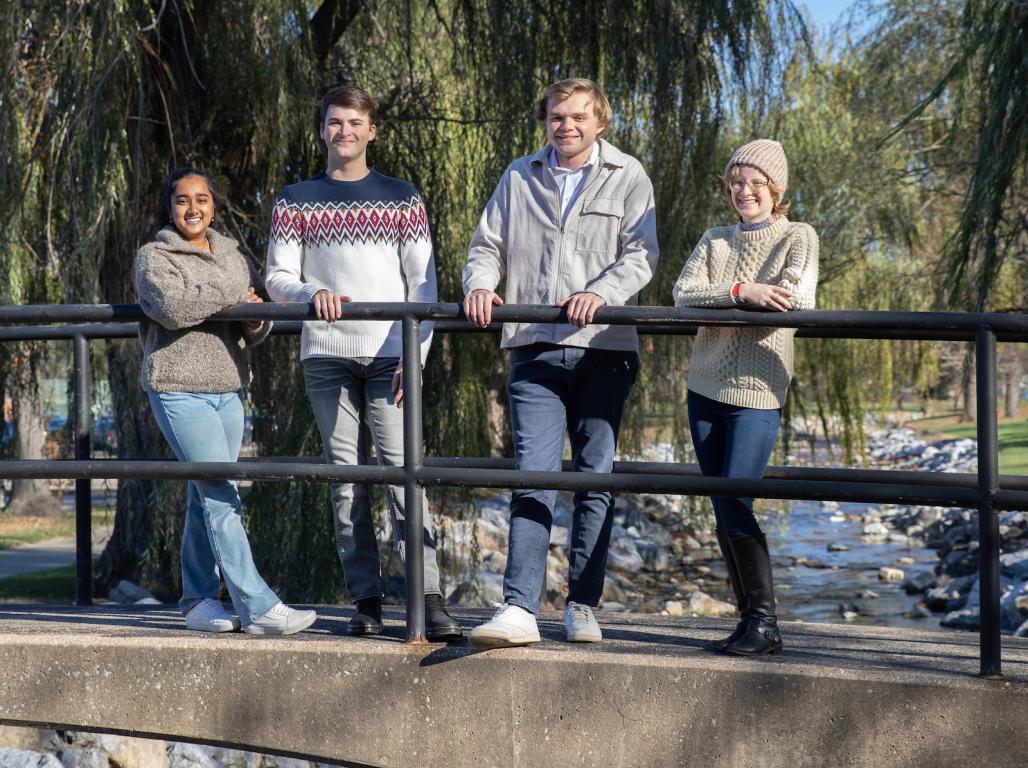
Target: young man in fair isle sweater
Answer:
pixel 352 234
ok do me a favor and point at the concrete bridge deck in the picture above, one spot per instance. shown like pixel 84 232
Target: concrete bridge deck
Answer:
pixel 651 695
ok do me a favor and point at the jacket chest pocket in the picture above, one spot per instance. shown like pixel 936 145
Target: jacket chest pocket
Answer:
pixel 599 224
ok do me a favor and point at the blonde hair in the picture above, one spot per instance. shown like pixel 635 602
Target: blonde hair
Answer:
pixel 565 88
pixel 780 207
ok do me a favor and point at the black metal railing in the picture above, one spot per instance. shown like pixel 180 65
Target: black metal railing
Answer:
pixel 986 491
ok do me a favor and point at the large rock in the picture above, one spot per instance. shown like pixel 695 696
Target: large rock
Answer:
pixel 623 554
pixel 917 583
pixel 559 536
pixel 15 737
pixel 702 604
pixel 885 573
pixel 273 761
pixel 124 751
pixel 1015 565
pixel 26 758
pixel 84 758
pixel 190 756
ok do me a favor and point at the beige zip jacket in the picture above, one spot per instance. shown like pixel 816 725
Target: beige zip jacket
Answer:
pixel 607 244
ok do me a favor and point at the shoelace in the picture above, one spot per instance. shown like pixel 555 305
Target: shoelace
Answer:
pixel 500 608
pixel 581 612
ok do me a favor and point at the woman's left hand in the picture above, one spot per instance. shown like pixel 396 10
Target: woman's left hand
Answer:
pixel 252 298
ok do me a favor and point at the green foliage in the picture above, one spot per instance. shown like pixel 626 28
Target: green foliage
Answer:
pixel 985 92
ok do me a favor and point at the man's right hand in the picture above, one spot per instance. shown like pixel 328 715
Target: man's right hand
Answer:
pixel 328 306
pixel 478 306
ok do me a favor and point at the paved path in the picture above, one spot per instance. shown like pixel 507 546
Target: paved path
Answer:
pixel 47 555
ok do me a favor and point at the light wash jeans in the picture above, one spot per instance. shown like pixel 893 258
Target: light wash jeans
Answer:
pixel 209 427
pixel 343 391
pixel 583 391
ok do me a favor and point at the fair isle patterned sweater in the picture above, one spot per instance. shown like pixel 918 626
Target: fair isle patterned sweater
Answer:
pixel 364 239
pixel 751 366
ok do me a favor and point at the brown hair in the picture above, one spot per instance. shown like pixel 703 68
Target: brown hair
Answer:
pixel 780 208
pixel 348 97
pixel 565 88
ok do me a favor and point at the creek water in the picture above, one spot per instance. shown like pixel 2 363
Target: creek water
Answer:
pixel 802 531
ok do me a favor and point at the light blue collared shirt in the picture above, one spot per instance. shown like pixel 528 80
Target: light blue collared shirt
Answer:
pixel 569 183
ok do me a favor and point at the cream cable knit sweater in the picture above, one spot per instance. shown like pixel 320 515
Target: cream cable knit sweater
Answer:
pixel 749 367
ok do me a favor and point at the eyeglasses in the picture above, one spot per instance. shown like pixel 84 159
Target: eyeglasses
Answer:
pixel 738 185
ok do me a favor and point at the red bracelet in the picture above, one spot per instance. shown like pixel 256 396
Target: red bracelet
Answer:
pixel 735 292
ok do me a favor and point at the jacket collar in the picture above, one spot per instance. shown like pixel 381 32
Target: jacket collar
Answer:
pixel 609 155
pixel 170 238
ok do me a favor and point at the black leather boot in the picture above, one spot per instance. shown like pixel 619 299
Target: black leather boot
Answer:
pixel 368 618
pixel 439 625
pixel 740 598
pixel 760 634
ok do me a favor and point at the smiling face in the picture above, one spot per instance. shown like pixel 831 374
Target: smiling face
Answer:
pixel 347 133
pixel 572 127
pixel 192 209
pixel 749 193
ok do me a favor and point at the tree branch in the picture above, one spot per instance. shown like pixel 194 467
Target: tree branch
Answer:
pixel 329 22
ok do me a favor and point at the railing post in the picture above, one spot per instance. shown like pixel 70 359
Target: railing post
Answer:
pixel 413 456
pixel 988 486
pixel 83 488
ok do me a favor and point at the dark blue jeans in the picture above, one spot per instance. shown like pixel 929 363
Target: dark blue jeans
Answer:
pixel 732 441
pixel 582 392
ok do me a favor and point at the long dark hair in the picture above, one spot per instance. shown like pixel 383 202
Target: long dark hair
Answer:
pixel 168 189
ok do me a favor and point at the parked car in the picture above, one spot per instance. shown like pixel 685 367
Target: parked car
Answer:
pixel 56 424
pixel 104 436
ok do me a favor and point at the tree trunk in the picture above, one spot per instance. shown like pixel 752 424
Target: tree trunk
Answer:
pixel 30 496
pixel 970 412
pixel 1012 381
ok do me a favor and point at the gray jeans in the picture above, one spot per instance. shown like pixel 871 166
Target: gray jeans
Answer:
pixel 342 391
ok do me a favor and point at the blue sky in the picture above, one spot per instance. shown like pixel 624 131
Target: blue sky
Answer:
pixel 825 12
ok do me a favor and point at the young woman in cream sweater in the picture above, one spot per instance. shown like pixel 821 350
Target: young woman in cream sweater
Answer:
pixel 739 376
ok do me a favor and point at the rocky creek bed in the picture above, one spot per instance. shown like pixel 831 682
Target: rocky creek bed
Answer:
pixel 890 565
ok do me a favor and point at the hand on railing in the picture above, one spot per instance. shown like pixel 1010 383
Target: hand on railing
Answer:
pixel 478 306
pixel 328 306
pixel 582 307
pixel 252 298
pixel 765 296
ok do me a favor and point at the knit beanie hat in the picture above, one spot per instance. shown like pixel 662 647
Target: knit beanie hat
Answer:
pixel 767 156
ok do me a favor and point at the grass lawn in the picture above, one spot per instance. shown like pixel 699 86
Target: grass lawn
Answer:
pixel 16 531
pixel 1013 438
pixel 56 586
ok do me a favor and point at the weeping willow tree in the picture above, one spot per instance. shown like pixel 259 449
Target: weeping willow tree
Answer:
pixel 985 90
pixel 100 102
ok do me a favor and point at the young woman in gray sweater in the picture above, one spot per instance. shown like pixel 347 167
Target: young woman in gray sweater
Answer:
pixel 194 370
pixel 739 376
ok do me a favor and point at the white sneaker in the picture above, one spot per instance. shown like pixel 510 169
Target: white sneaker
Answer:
pixel 510 626
pixel 209 615
pixel 580 626
pixel 281 620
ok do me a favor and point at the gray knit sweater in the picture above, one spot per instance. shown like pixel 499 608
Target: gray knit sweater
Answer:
pixel 179 286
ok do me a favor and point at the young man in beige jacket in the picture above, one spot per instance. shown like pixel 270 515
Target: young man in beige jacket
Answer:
pixel 572 225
